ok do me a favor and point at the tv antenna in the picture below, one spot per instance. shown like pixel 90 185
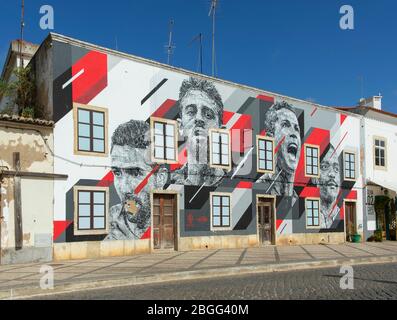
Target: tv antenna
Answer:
pixel 22 29
pixel 170 47
pixel 199 38
pixel 214 4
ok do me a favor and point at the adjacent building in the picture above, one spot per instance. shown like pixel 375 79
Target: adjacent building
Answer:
pixel 379 141
pixel 26 190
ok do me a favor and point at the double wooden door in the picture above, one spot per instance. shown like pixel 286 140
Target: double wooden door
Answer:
pixel 164 221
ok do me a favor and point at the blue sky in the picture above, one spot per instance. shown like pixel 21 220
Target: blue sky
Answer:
pixel 290 47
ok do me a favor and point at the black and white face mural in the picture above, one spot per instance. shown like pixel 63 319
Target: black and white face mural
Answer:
pixel 329 184
pixel 131 165
pixel 282 124
pixel 201 109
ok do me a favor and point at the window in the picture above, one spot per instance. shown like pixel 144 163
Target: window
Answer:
pixel 220 149
pixel 220 211
pixel 265 154
pixel 312 161
pixel 312 213
pixel 164 140
pixel 90 210
pixel 350 165
pixel 90 130
pixel 380 152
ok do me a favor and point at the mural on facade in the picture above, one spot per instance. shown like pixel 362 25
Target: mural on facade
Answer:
pixel 281 123
pixel 131 163
pixel 201 109
pixel 198 106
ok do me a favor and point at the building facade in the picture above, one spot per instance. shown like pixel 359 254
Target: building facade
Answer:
pixel 379 136
pixel 26 190
pixel 162 158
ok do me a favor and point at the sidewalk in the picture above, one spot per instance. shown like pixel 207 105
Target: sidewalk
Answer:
pixel 23 280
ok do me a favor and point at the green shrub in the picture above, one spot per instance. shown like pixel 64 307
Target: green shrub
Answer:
pixel 378 235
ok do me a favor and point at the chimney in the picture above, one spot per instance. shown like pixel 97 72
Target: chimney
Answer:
pixel 373 102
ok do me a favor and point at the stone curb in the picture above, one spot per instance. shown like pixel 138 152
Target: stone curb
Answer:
pixel 31 292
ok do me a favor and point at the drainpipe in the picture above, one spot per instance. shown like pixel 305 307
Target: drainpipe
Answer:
pixel 364 175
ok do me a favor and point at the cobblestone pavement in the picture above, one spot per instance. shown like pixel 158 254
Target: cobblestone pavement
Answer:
pixel 374 282
pixel 71 272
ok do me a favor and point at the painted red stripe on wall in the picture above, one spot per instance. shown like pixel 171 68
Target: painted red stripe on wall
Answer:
pixel 59 228
pixel 309 192
pixel 265 98
pixel 107 180
pixel 94 78
pixel 145 181
pixel 244 185
pixel 164 108
pixel 227 115
pixel 352 195
pixel 147 234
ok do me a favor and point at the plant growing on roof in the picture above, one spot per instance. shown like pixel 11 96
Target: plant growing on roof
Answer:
pixel 22 92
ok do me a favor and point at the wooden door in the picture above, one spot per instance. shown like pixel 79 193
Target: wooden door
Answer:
pixel 265 223
pixel 350 219
pixel 164 221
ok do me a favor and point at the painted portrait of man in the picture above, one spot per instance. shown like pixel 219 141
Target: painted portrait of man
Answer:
pixel 134 177
pixel 201 109
pixel 282 124
pixel 329 184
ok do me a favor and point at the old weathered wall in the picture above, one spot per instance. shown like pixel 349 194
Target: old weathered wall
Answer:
pixel 36 193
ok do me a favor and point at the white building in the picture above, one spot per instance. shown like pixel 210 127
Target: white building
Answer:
pixel 379 144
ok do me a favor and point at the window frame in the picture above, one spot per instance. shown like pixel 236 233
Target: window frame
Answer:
pixel 77 231
pixel 306 145
pixel 374 150
pixel 319 214
pixel 224 167
pixel 266 139
pixel 350 152
pixel 221 228
pixel 76 108
pixel 153 121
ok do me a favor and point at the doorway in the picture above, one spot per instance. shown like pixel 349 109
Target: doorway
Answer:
pixel 164 221
pixel 350 220
pixel 266 222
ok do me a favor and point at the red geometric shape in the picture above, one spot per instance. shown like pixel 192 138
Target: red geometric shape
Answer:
pixel 146 180
pixel 278 223
pixel 342 118
pixel 59 228
pixel 265 98
pixel 107 181
pixel 182 159
pixel 164 108
pixel 310 192
pixel 147 234
pixel 94 78
pixel 318 137
pixel 352 195
pixel 244 185
pixel 227 115
pixel 342 213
